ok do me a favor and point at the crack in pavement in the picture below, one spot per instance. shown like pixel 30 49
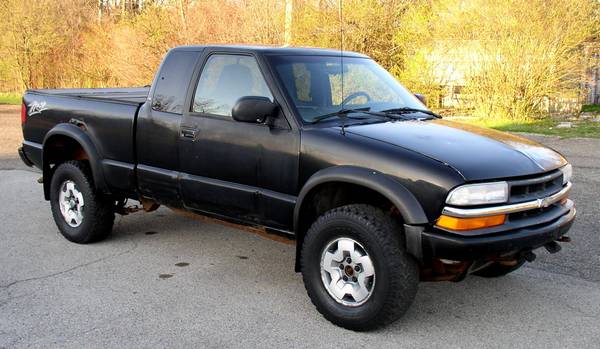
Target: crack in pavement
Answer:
pixel 581 312
pixel 577 274
pixel 20 169
pixel 116 228
pixel 10 298
pixel 135 245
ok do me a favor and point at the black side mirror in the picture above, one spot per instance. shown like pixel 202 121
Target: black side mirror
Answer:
pixel 421 98
pixel 253 109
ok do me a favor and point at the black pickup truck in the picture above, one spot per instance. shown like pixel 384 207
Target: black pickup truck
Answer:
pixel 321 145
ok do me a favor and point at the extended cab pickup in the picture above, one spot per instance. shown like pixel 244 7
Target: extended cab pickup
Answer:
pixel 326 147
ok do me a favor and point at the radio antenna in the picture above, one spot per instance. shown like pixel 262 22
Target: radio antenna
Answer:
pixel 341 19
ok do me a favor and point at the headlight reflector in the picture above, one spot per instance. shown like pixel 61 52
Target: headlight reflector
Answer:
pixel 479 194
pixel 567 172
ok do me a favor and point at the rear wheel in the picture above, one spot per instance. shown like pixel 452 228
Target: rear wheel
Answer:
pixel 355 268
pixel 82 215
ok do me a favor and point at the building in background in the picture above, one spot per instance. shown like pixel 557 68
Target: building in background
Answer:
pixel 591 83
pixel 452 63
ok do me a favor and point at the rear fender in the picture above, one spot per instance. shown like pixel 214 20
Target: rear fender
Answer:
pixel 83 139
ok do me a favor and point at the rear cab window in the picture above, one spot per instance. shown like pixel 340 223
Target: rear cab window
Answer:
pixel 172 82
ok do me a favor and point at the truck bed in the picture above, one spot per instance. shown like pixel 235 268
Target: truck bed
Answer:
pixel 107 115
pixel 134 95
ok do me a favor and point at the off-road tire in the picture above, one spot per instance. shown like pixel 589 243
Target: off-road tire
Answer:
pixel 98 211
pixel 396 272
pixel 495 270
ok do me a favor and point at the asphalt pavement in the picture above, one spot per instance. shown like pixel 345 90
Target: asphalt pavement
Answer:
pixel 167 280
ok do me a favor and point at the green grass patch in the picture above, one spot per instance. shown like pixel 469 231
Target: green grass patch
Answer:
pixel 10 98
pixel 584 128
pixel 590 108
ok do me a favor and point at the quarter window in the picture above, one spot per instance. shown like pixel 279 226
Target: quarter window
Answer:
pixel 224 80
pixel 172 83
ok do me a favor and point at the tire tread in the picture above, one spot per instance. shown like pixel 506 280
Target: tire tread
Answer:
pixel 100 223
pixel 403 284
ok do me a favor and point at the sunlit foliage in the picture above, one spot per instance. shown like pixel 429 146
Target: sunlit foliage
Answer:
pixel 510 58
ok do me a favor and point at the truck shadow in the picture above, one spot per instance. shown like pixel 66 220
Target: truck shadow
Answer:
pixel 520 303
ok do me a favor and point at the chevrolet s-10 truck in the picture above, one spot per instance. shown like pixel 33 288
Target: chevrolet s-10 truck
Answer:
pixel 320 145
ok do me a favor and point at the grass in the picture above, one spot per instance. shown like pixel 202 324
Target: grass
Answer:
pixel 10 98
pixel 584 128
pixel 590 108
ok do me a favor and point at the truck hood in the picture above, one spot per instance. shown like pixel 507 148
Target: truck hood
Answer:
pixel 476 153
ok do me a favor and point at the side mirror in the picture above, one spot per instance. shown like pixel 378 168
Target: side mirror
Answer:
pixel 253 109
pixel 421 98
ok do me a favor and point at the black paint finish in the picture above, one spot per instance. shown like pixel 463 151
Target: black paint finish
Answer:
pixel 148 142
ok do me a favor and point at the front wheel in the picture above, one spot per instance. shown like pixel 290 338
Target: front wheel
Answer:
pixel 356 269
pixel 82 215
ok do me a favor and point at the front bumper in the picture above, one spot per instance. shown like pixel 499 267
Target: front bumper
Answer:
pixel 437 243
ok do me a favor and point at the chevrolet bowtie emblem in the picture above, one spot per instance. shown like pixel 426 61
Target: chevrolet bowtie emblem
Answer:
pixel 545 202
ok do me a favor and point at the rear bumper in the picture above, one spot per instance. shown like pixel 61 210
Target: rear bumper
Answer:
pixel 31 154
pixel 441 244
pixel 24 157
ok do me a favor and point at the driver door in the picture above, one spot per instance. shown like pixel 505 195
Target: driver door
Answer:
pixel 246 171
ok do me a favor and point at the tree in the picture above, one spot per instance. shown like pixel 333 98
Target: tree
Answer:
pixel 513 57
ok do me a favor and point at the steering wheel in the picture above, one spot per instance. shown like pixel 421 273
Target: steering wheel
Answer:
pixel 355 95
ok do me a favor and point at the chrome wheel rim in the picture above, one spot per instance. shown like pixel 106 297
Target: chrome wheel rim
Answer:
pixel 70 200
pixel 347 272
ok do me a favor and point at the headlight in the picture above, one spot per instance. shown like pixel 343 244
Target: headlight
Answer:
pixel 479 194
pixel 567 172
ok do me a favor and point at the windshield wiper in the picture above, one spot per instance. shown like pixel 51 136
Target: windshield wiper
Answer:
pixel 342 113
pixel 406 110
pixel 366 110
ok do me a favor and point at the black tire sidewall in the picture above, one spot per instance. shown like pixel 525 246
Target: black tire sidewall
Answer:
pixel 368 314
pixel 81 233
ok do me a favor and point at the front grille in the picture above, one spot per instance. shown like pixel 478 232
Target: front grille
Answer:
pixel 535 188
pixel 529 213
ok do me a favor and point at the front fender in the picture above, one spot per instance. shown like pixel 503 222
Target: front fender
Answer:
pixel 402 198
pixel 84 140
pixel 406 203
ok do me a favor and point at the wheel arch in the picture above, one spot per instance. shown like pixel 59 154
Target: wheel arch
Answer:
pixel 376 185
pixel 68 142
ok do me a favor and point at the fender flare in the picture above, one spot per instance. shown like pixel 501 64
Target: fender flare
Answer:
pixel 84 140
pixel 402 198
pixel 409 207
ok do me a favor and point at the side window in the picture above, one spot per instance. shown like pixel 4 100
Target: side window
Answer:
pixel 171 85
pixel 226 78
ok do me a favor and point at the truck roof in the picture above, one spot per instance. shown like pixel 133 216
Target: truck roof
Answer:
pixel 275 50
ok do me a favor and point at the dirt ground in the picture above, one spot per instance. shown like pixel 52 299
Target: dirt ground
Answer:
pixel 11 135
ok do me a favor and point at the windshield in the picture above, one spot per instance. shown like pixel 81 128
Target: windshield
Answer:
pixel 314 84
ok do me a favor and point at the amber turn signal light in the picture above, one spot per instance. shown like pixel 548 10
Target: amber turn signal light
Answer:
pixel 455 223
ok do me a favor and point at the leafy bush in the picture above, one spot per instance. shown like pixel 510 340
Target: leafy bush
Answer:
pixel 590 108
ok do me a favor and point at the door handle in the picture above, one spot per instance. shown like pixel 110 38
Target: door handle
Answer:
pixel 188 133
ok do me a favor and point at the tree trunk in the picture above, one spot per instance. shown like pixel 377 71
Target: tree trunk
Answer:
pixel 289 7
